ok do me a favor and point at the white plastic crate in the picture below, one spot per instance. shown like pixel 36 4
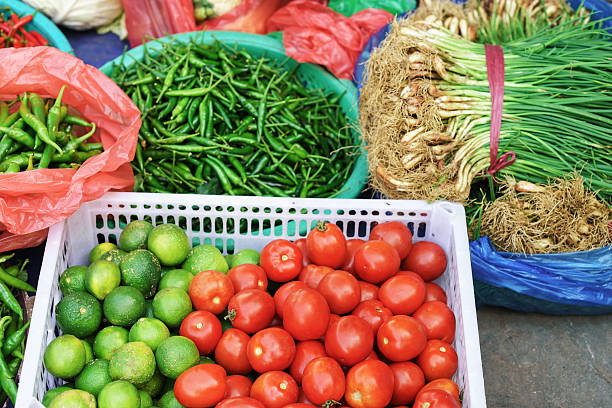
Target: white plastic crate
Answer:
pixel 207 219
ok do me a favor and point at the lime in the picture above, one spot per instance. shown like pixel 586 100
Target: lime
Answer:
pixel 124 305
pixel 79 313
pixel 169 243
pixel 176 278
pixel 52 393
pixel 145 399
pixel 94 377
pixel 88 351
pixel 108 340
pixel 246 256
pixel 175 355
pixel 149 308
pixel 119 394
pixel 115 256
pixel 205 258
pixel 100 250
pixel 133 362
pixel 228 258
pixel 168 400
pixel 150 331
pixel 73 280
pixel 74 399
pixel 155 385
pixel 141 269
pixel 135 235
pixel 65 356
pixel 102 277
pixel 171 306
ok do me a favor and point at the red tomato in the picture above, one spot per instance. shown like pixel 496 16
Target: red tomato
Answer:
pixel 302 398
pixel 349 340
pixel 251 310
pixel 237 386
pixel 298 405
pixel 211 291
pixel 401 338
pixel 438 320
pixel 394 233
pixel 240 402
pixel 231 352
pixel 333 318
pixel 434 292
pixel 306 314
pixel 427 259
pixel 275 389
pixel 203 328
pixel 305 352
pixel 301 243
pixel 276 322
pixel 373 312
pixel 403 294
pixel 376 261
pixel 435 398
pixel 312 274
pixel 409 379
pixel 349 259
pixel 444 384
pixel 200 386
pixel 323 381
pixel 438 360
pixel 372 356
pixel 271 349
pixel 368 291
pixel 248 276
pixel 369 384
pixel 280 297
pixel 282 260
pixel 326 245
pixel 341 291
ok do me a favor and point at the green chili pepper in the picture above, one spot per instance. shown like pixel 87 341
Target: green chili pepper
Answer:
pixel 14 340
pixel 6 380
pixel 18 135
pixel 37 125
pixel 221 175
pixel 7 297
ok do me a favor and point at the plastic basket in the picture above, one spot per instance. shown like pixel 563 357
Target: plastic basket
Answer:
pixel 311 75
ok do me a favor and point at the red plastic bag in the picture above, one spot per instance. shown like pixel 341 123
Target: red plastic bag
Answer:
pixel 34 200
pixel 10 242
pixel 250 16
pixel 314 33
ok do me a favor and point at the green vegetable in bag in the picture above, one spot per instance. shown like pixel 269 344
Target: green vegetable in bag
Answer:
pixel 350 7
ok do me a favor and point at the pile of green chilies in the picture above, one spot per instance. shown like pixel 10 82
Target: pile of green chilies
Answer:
pixel 216 120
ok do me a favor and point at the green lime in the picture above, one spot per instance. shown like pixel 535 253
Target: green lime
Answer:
pixel 115 256
pixel 205 258
pixel 88 351
pixel 228 258
pixel 171 306
pixel 168 400
pixel 52 393
pixel 145 399
pixel 94 377
pixel 133 362
pixel 134 235
pixel 176 278
pixel 124 305
pixel 108 340
pixel 169 243
pixel 65 356
pixel 119 394
pixel 246 256
pixel 149 308
pixel 74 399
pixel 100 250
pixel 155 385
pixel 79 313
pixel 175 355
pixel 150 331
pixel 102 277
pixel 73 280
pixel 141 269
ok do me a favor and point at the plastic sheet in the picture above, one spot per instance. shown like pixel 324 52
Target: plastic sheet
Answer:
pixel 11 242
pixel 251 16
pixel 350 7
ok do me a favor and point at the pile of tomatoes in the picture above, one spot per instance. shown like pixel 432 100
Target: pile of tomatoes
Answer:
pixel 351 323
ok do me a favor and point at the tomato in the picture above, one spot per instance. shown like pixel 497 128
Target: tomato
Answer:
pixel 376 261
pixel 251 310
pixel 372 356
pixel 369 384
pixel 349 340
pixel 203 328
pixel 280 297
pixel 298 405
pixel 306 314
pixel 312 274
pixel 438 320
pixel 409 379
pixel 211 291
pixel 373 312
pixel 349 260
pixel 435 398
pixel 394 233
pixel 231 352
pixel 438 360
pixel 276 322
pixel 403 294
pixel 237 386
pixel 248 276
pixel 368 291
pixel 305 352
pixel 401 338
pixel 240 402
pixel 200 386
pixel 326 245
pixel 271 349
pixel 427 259
pixel 333 318
pixel 341 291
pixel 282 260
pixel 444 384
pixel 323 381
pixel 434 292
pixel 302 398
pixel 301 243
pixel 275 389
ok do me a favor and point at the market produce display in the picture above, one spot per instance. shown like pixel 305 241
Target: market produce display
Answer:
pixel 206 9
pixel 13 32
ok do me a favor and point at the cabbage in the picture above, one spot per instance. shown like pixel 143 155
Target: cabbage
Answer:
pixel 79 14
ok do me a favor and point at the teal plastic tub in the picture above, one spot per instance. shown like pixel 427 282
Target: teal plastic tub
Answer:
pixel 311 75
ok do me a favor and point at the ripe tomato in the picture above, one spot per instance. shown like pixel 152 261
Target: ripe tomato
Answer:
pixel 372 356
pixel 251 310
pixel 248 276
pixel 305 352
pixel 368 291
pixel 282 260
pixel 376 261
pixel 200 386
pixel 373 312
pixel 341 291
pixel 301 243
pixel 401 338
pixel 211 291
pixel 271 349
pixel 240 402
pixel 394 233
pixel 306 314
pixel 438 320
pixel 349 340
pixel 280 297
pixel 438 360
pixel 427 259
pixel 298 405
pixel 323 381
pixel 312 274
pixel 349 260
pixel 231 352
pixel 237 386
pixel 435 398
pixel 302 398
pixel 333 318
pixel 434 292
pixel 203 328
pixel 409 379
pixel 369 384
pixel 444 384
pixel 403 294
pixel 275 389
pixel 326 245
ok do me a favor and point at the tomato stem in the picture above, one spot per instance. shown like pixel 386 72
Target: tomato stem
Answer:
pixel 231 315
pixel 330 403
pixel 321 226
